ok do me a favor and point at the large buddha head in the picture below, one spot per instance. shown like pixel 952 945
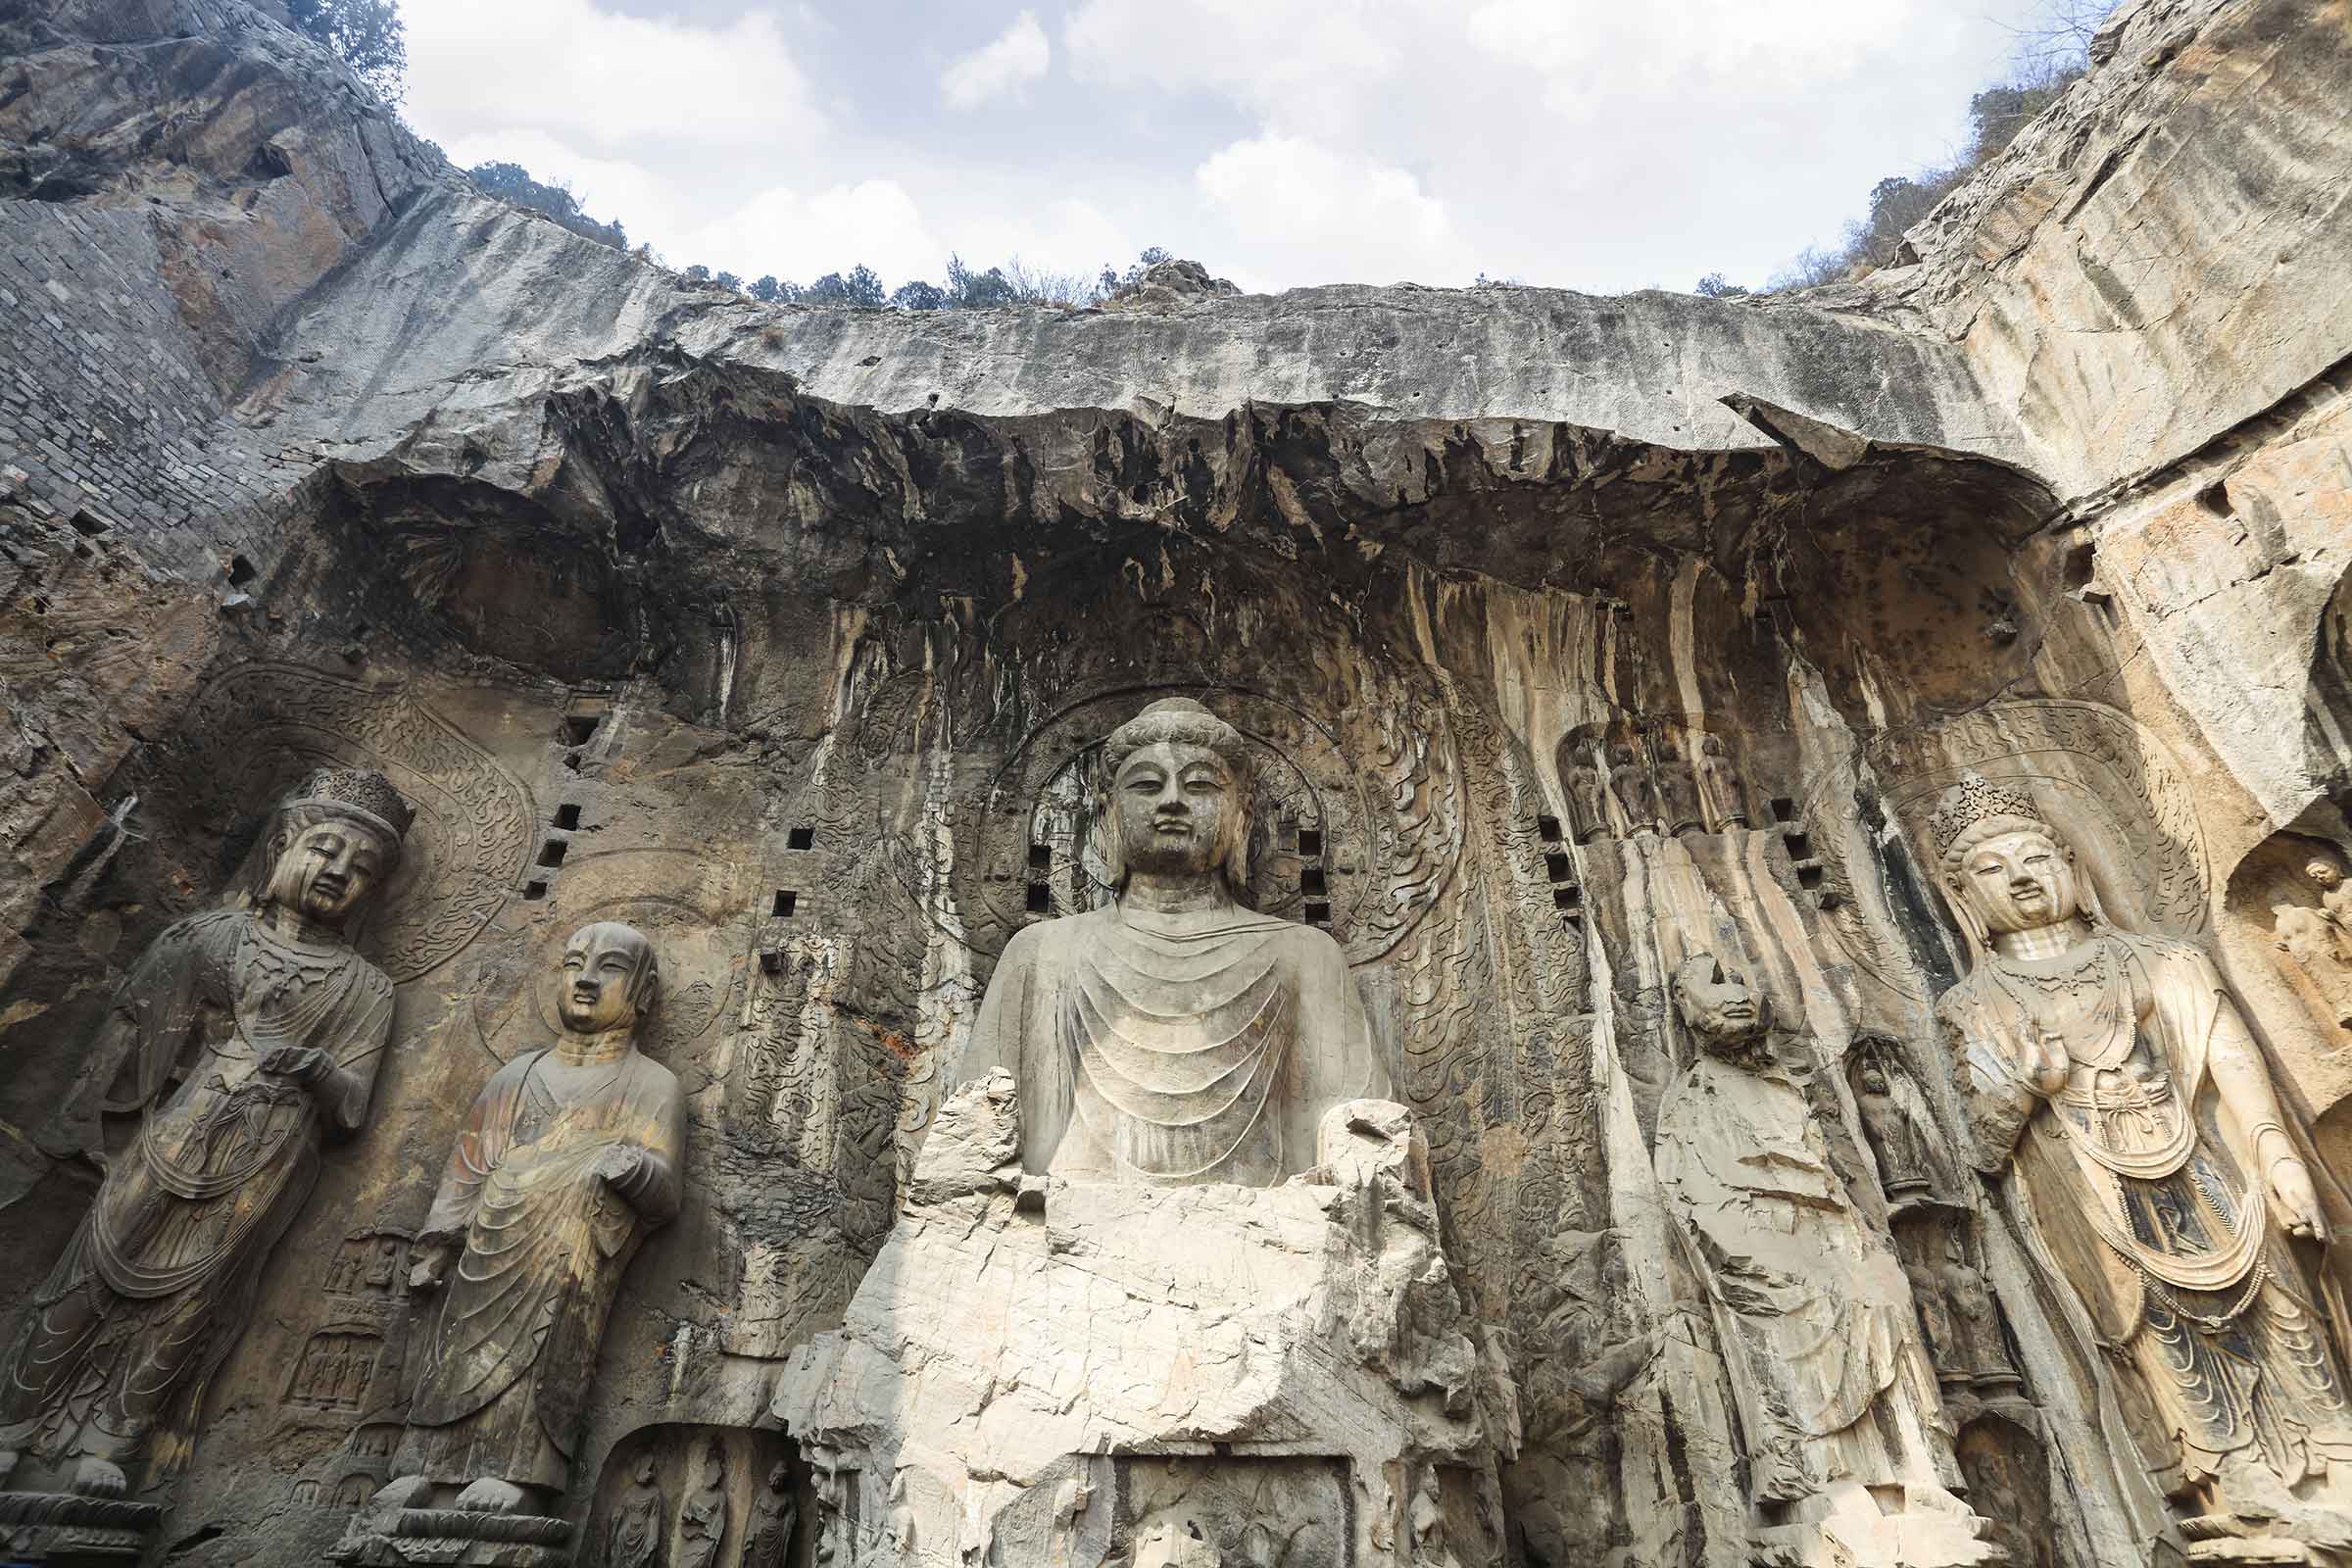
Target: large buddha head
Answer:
pixel 2005 868
pixel 611 978
pixel 1179 783
pixel 336 841
pixel 1718 1007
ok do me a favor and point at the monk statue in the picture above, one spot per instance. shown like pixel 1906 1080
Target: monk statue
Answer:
pixel 1836 1399
pixel 244 1037
pixel 1175 1036
pixel 2110 1076
pixel 570 1155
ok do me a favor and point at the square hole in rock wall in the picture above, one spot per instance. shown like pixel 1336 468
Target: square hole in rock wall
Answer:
pixel 567 816
pixel 579 729
pixel 1041 858
pixel 800 838
pixel 550 854
pixel 1040 899
pixel 534 891
pixel 1547 828
pixel 1555 866
pixel 1567 898
pixel 1800 847
pixel 1784 810
pixel 1310 842
pixel 787 901
pixel 1318 914
pixel 1311 882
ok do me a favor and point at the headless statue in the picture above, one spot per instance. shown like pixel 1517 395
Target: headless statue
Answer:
pixel 1177 1036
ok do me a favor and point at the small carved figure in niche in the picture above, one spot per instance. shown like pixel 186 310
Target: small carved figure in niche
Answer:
pixel 633 1535
pixel 1895 1135
pixel 2319 940
pixel 384 1266
pixel 246 1038
pixel 1175 1036
pixel 2166 1180
pixel 1677 787
pixel 1976 1321
pixel 568 1157
pixel 1718 791
pixel 703 1516
pixel 343 1275
pixel 901 1514
pixel 1840 1401
pixel 768 1537
pixel 1936 1318
pixel 1637 798
pixel 1587 797
pixel 1427 1522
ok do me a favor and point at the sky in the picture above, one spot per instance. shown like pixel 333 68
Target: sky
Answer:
pixel 1603 145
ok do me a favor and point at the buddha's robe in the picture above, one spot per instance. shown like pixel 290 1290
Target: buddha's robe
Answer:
pixel 1152 1049
pixel 2141 1185
pixel 505 1372
pixel 1819 1306
pixel 159 1280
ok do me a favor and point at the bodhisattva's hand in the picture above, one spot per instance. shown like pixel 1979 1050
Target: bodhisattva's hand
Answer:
pixel 303 1063
pixel 432 1267
pixel 2051 1066
pixel 2298 1201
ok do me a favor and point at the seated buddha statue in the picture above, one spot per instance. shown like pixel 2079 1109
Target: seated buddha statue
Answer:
pixel 1176 1035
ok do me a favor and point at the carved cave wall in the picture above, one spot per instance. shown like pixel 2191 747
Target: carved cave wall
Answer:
pixel 807 693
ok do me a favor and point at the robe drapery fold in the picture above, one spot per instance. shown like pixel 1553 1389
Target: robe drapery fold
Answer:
pixel 1149 1051
pixel 159 1280
pixel 1822 1308
pixel 504 1378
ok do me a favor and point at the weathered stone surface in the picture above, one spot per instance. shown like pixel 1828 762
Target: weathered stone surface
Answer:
pixel 1568 637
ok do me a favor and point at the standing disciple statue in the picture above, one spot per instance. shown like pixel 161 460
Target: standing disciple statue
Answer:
pixel 1177 1035
pixel 703 1516
pixel 773 1515
pixel 1838 1401
pixel 2110 1075
pixel 1719 787
pixel 1636 796
pixel 1587 797
pixel 245 1038
pixel 1677 787
pixel 570 1155
pixel 633 1536
pixel 1906 1173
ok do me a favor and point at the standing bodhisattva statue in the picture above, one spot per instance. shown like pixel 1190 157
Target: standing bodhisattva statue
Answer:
pixel 245 1037
pixel 1177 1035
pixel 570 1155
pixel 2112 1074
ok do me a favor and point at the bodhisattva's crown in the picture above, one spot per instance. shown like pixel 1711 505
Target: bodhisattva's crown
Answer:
pixel 361 790
pixel 1969 802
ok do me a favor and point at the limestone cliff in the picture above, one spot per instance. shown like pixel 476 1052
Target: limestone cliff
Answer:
pixel 1589 633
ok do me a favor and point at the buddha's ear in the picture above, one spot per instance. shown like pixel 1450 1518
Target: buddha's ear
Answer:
pixel 1963 913
pixel 1109 846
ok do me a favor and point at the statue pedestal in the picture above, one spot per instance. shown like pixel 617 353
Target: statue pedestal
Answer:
pixel 69 1529
pixel 1238 1368
pixel 385 1533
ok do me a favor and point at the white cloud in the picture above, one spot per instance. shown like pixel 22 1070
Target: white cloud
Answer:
pixel 1305 211
pixel 1019 56
pixel 800 238
pixel 601 81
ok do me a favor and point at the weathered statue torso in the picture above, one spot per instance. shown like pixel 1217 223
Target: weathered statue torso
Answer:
pixel 246 1037
pixel 1175 1036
